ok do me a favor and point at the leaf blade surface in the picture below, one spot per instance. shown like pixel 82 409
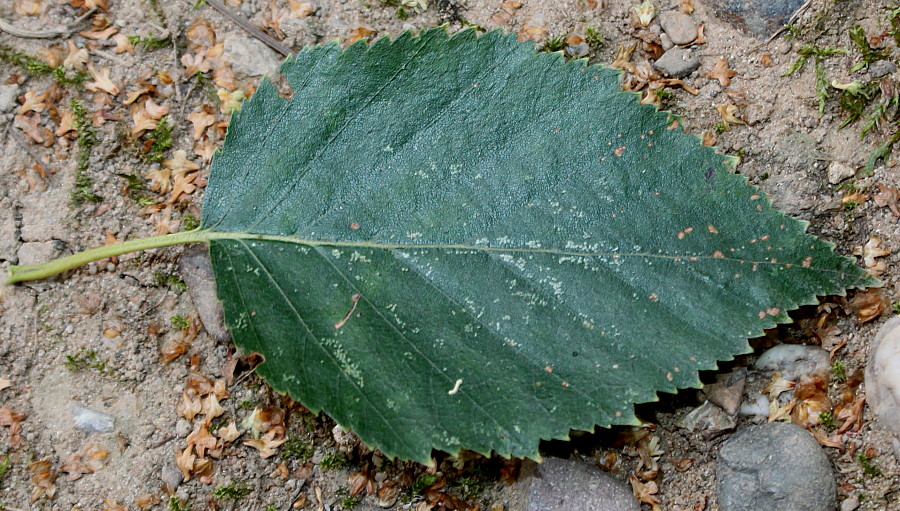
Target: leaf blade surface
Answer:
pixel 455 242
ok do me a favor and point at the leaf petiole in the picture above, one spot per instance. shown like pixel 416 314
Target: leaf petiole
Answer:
pixel 40 271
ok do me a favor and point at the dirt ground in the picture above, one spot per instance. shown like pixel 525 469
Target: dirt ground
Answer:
pixel 122 336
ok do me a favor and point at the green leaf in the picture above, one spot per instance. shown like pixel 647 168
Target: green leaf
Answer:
pixel 457 242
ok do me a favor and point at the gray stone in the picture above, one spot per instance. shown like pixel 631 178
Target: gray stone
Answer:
pixel 91 421
pixel 838 172
pixel 39 252
pixel 183 428
pixel 775 467
pixel 666 43
pixel 677 63
pixel 250 57
pixel 9 242
pixel 760 18
pixel 883 377
pixel 8 95
pixel 881 68
pixel 795 360
pixel 43 232
pixel 171 476
pixel 195 268
pixel 681 28
pixel 565 485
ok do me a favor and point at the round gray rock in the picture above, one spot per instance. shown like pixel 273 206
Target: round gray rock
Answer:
pixel 566 485
pixel 677 63
pixel 883 380
pixel 775 467
pixel 681 28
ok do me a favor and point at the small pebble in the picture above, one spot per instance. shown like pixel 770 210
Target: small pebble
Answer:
pixel 677 63
pixel 795 360
pixel 92 421
pixel 681 28
pixel 851 503
pixel 8 95
pixel 881 68
pixel 182 428
pixel 838 172
pixel 171 476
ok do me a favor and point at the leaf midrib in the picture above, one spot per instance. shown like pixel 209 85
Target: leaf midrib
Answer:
pixel 209 236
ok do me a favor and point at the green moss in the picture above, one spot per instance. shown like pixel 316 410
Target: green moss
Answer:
pixel 423 481
pixel 826 419
pixel 819 54
pixel 4 467
pixel 232 491
pixel 160 141
pixel 297 448
pixel 720 128
pixel 334 461
pixel 869 54
pixel 171 280
pixel 149 43
pixel 87 139
pixel 350 502
pixel 175 504
pixel 555 43
pixel 402 14
pixel 866 463
pixel 136 190
pixel 37 67
pixel 85 359
pixel 895 307
pixel 839 371
pixel 594 38
pixel 189 222
pixel 180 322
pixel 470 486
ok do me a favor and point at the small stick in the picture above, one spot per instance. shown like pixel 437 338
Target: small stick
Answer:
pixel 255 32
pixel 43 34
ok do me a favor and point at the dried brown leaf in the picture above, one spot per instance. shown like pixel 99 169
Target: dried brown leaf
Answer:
pixel 359 33
pixel 721 72
pixel 229 433
pixel 201 439
pixel 190 406
pixel 43 478
pixel 33 102
pixel 871 250
pixel 123 44
pixel 201 35
pixel 265 445
pixel 75 468
pixel 888 196
pixel 869 305
pixel 101 81
pixel 729 114
pixel 185 462
pixel 201 120
pixel 146 501
pixel 77 58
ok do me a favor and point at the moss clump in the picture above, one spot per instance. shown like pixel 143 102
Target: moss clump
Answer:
pixel 37 67
pixel 232 491
pixel 87 139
